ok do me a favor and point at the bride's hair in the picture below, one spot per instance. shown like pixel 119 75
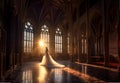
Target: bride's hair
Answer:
pixel 46 49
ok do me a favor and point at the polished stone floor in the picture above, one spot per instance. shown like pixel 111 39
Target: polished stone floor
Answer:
pixel 32 72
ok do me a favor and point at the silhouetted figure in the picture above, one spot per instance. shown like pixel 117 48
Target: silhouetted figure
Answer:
pixel 48 61
pixel 46 50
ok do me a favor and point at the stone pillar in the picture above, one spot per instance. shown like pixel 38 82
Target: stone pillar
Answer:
pixel 91 48
pixel 71 44
pixel 1 63
pixel 87 27
pixel 20 39
pixel 16 41
pixel 52 40
pixel 13 38
pixel 119 35
pixel 2 52
pixel 64 43
pixel 119 43
pixel 106 33
pixel 36 47
pixel 80 48
pixel 11 28
pixel 70 28
pixel 74 46
pixel 78 53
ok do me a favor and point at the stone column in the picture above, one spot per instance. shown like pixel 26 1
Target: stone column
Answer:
pixel 71 42
pixel 80 48
pixel 13 39
pixel 16 41
pixel 74 45
pixel 119 35
pixel 11 29
pixel 106 33
pixel 87 27
pixel 20 42
pixel 20 39
pixel 64 43
pixel 52 40
pixel 36 47
pixel 2 52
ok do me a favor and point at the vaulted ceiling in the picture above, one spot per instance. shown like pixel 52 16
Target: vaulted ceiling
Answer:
pixel 41 11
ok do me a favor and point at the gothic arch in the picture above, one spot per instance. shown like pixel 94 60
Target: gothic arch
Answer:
pixel 113 33
pixel 96 34
pixel 113 16
pixel 96 24
pixel 30 20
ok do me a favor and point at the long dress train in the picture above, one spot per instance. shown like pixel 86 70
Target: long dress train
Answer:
pixel 48 61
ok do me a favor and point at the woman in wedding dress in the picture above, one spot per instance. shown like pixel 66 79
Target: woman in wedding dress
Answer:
pixel 48 61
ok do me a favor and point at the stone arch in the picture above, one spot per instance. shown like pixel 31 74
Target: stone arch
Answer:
pixel 96 24
pixel 80 44
pixel 83 28
pixel 96 34
pixel 113 33
pixel 30 20
pixel 113 16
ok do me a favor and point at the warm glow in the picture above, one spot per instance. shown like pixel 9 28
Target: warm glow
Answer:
pixel 51 62
pixel 41 43
pixel 27 76
pixel 43 73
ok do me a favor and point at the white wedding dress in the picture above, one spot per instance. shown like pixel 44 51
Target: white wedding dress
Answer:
pixel 48 61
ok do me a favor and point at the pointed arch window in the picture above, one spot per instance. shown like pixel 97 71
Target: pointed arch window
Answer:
pixel 68 43
pixel 58 41
pixel 84 45
pixel 45 35
pixel 28 37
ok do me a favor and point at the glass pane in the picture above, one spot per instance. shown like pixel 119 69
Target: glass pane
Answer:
pixel 58 41
pixel 28 37
pixel 32 44
pixel 32 36
pixel 24 35
pixel 45 35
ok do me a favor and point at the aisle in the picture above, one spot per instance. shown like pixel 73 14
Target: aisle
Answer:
pixel 32 72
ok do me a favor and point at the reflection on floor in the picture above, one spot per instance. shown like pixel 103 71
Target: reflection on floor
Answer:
pixel 32 72
pixel 112 64
pixel 84 76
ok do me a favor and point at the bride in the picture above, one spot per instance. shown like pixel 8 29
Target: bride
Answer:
pixel 48 61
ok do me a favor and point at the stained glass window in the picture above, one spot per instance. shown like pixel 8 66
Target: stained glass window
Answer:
pixel 28 37
pixel 58 41
pixel 45 35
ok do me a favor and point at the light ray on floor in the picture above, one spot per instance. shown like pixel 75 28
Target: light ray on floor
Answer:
pixel 84 75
